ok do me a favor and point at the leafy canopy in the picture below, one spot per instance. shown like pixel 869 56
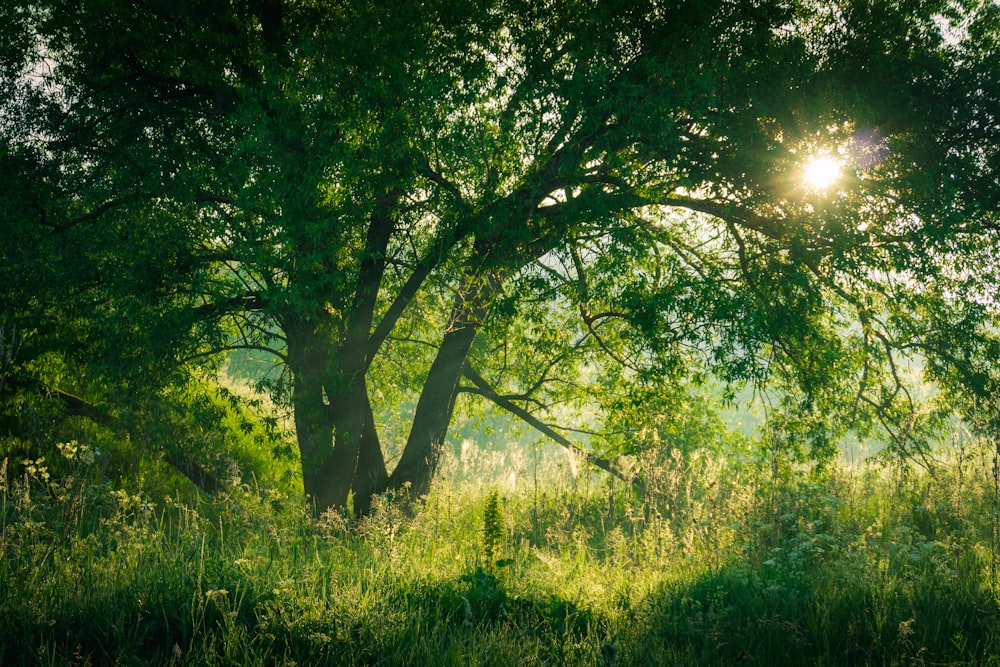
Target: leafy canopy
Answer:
pixel 609 195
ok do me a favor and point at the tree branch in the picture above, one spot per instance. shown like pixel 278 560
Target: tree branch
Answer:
pixel 235 348
pixel 486 391
pixel 244 302
pixel 434 255
pixel 78 407
pixel 91 215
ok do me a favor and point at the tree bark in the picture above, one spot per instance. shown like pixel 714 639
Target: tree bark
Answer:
pixel 338 442
pixel 437 399
pixel 333 416
pixel 314 432
pixel 371 477
pixel 356 419
pixel 327 438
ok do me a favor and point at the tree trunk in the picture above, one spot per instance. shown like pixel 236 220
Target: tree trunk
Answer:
pixel 314 432
pixel 437 398
pixel 371 477
pixel 327 423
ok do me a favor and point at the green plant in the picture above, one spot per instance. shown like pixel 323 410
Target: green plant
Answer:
pixel 493 529
pixel 888 572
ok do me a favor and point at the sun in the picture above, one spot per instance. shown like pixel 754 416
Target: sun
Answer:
pixel 821 172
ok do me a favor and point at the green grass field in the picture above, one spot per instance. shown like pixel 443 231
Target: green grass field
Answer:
pixel 715 563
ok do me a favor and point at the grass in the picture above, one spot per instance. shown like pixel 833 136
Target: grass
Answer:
pixel 718 563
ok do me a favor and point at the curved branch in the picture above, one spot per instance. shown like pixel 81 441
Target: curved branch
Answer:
pixel 244 302
pixel 91 215
pixel 78 407
pixel 486 391
pixel 524 398
pixel 434 256
pixel 428 171
pixel 235 348
pixel 727 211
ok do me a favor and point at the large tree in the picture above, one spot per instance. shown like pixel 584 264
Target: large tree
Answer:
pixel 531 201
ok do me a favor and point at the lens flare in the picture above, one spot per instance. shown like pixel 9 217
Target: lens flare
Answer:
pixel 821 172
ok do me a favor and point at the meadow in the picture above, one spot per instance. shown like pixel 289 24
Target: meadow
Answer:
pixel 716 561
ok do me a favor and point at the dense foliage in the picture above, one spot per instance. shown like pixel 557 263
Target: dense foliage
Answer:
pixel 575 210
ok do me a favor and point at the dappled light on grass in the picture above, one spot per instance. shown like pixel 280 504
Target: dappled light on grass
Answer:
pixel 716 561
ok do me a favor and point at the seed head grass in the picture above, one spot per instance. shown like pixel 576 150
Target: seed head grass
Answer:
pixel 713 562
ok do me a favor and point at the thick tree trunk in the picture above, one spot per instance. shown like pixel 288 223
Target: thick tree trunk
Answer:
pixel 434 409
pixel 333 417
pixel 437 398
pixel 338 444
pixel 327 426
pixel 314 432
pixel 371 477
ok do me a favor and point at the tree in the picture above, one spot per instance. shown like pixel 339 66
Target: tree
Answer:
pixel 511 192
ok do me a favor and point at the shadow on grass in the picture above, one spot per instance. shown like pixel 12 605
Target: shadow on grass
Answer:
pixel 737 615
pixel 767 616
pixel 172 620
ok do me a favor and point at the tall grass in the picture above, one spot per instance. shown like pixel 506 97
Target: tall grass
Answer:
pixel 716 562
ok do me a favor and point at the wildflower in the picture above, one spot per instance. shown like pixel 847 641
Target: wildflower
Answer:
pixel 214 593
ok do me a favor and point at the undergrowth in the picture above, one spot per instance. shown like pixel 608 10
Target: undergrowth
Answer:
pixel 714 561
